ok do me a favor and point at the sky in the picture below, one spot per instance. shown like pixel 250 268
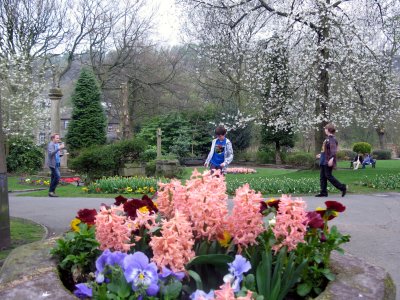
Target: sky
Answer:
pixel 167 22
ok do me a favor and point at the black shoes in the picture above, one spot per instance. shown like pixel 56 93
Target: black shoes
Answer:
pixel 321 195
pixel 52 194
pixel 344 191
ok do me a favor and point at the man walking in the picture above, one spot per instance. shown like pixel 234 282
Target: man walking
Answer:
pixel 328 162
pixel 53 160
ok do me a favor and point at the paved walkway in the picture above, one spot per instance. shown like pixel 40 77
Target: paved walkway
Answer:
pixel 373 221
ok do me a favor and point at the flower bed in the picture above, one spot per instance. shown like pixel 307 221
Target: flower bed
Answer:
pixel 190 244
pixel 46 181
pixel 124 185
pixel 240 171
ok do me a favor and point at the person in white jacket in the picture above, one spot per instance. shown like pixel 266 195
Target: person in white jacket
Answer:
pixel 221 153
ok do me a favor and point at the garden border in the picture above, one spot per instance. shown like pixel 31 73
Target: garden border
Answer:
pixel 29 272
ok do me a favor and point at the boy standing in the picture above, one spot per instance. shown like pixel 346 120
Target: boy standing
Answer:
pixel 221 153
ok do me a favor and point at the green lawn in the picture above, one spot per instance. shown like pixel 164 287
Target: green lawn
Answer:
pixel 15 185
pixel 22 232
pixel 343 173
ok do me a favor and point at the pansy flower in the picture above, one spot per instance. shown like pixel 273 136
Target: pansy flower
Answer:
pixel 335 206
pixel 166 272
pixel 87 215
pixel 141 273
pixel 108 258
pixel 314 220
pixel 83 291
pixel 201 295
pixel 269 203
pixel 74 225
pixel 120 200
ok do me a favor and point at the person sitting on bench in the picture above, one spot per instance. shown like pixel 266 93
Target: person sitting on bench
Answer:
pixel 368 161
pixel 357 161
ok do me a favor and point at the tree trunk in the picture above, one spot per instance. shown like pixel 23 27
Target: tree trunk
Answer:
pixel 5 239
pixel 323 82
pixel 381 135
pixel 278 159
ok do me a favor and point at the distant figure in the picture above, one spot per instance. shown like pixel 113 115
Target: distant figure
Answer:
pixel 357 161
pixel 327 161
pixel 221 153
pixel 53 160
pixel 368 161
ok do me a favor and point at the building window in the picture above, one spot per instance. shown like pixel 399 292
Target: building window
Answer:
pixel 42 138
pixel 66 124
pixel 110 128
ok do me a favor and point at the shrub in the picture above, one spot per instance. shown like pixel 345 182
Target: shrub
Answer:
pixel 151 168
pixel 300 159
pixel 266 157
pixel 245 156
pixel 382 154
pixel 99 161
pixel 95 162
pixel 88 121
pixel 24 156
pixel 345 154
pixel 149 154
pixel 362 147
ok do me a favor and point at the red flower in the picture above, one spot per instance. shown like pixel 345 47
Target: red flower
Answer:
pixel 315 220
pixel 87 215
pixel 334 205
pixel 269 204
pixel 132 205
pixel 120 200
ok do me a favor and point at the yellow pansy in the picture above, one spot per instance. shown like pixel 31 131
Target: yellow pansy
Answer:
pixel 74 225
pixel 224 239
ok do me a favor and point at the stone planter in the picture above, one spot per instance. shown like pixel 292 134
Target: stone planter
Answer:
pixel 132 169
pixel 30 273
pixel 167 168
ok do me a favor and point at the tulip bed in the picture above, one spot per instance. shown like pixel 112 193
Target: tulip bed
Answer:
pixel 191 245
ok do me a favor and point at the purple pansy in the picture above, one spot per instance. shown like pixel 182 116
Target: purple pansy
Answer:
pixel 83 291
pixel 108 258
pixel 167 272
pixel 199 294
pixel 141 273
pixel 236 269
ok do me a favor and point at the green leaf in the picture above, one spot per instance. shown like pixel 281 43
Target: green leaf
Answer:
pixel 250 282
pixel 211 259
pixel 172 290
pixel 303 289
pixel 197 279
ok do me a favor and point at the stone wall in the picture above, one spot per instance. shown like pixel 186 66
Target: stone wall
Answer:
pixel 29 272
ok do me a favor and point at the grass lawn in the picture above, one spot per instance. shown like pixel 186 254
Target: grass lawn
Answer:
pixel 343 173
pixel 15 185
pixel 22 232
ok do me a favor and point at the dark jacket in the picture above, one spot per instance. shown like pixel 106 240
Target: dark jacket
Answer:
pixel 330 147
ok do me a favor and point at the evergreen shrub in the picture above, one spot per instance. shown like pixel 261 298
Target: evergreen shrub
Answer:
pixel 98 161
pixel 362 147
pixel 266 157
pixel 300 159
pixel 88 123
pixel 24 156
pixel 382 154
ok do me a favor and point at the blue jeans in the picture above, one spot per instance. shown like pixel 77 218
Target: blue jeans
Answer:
pixel 55 178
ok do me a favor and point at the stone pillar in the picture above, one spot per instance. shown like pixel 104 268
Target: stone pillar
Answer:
pixel 55 95
pixel 159 132
pixel 125 118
